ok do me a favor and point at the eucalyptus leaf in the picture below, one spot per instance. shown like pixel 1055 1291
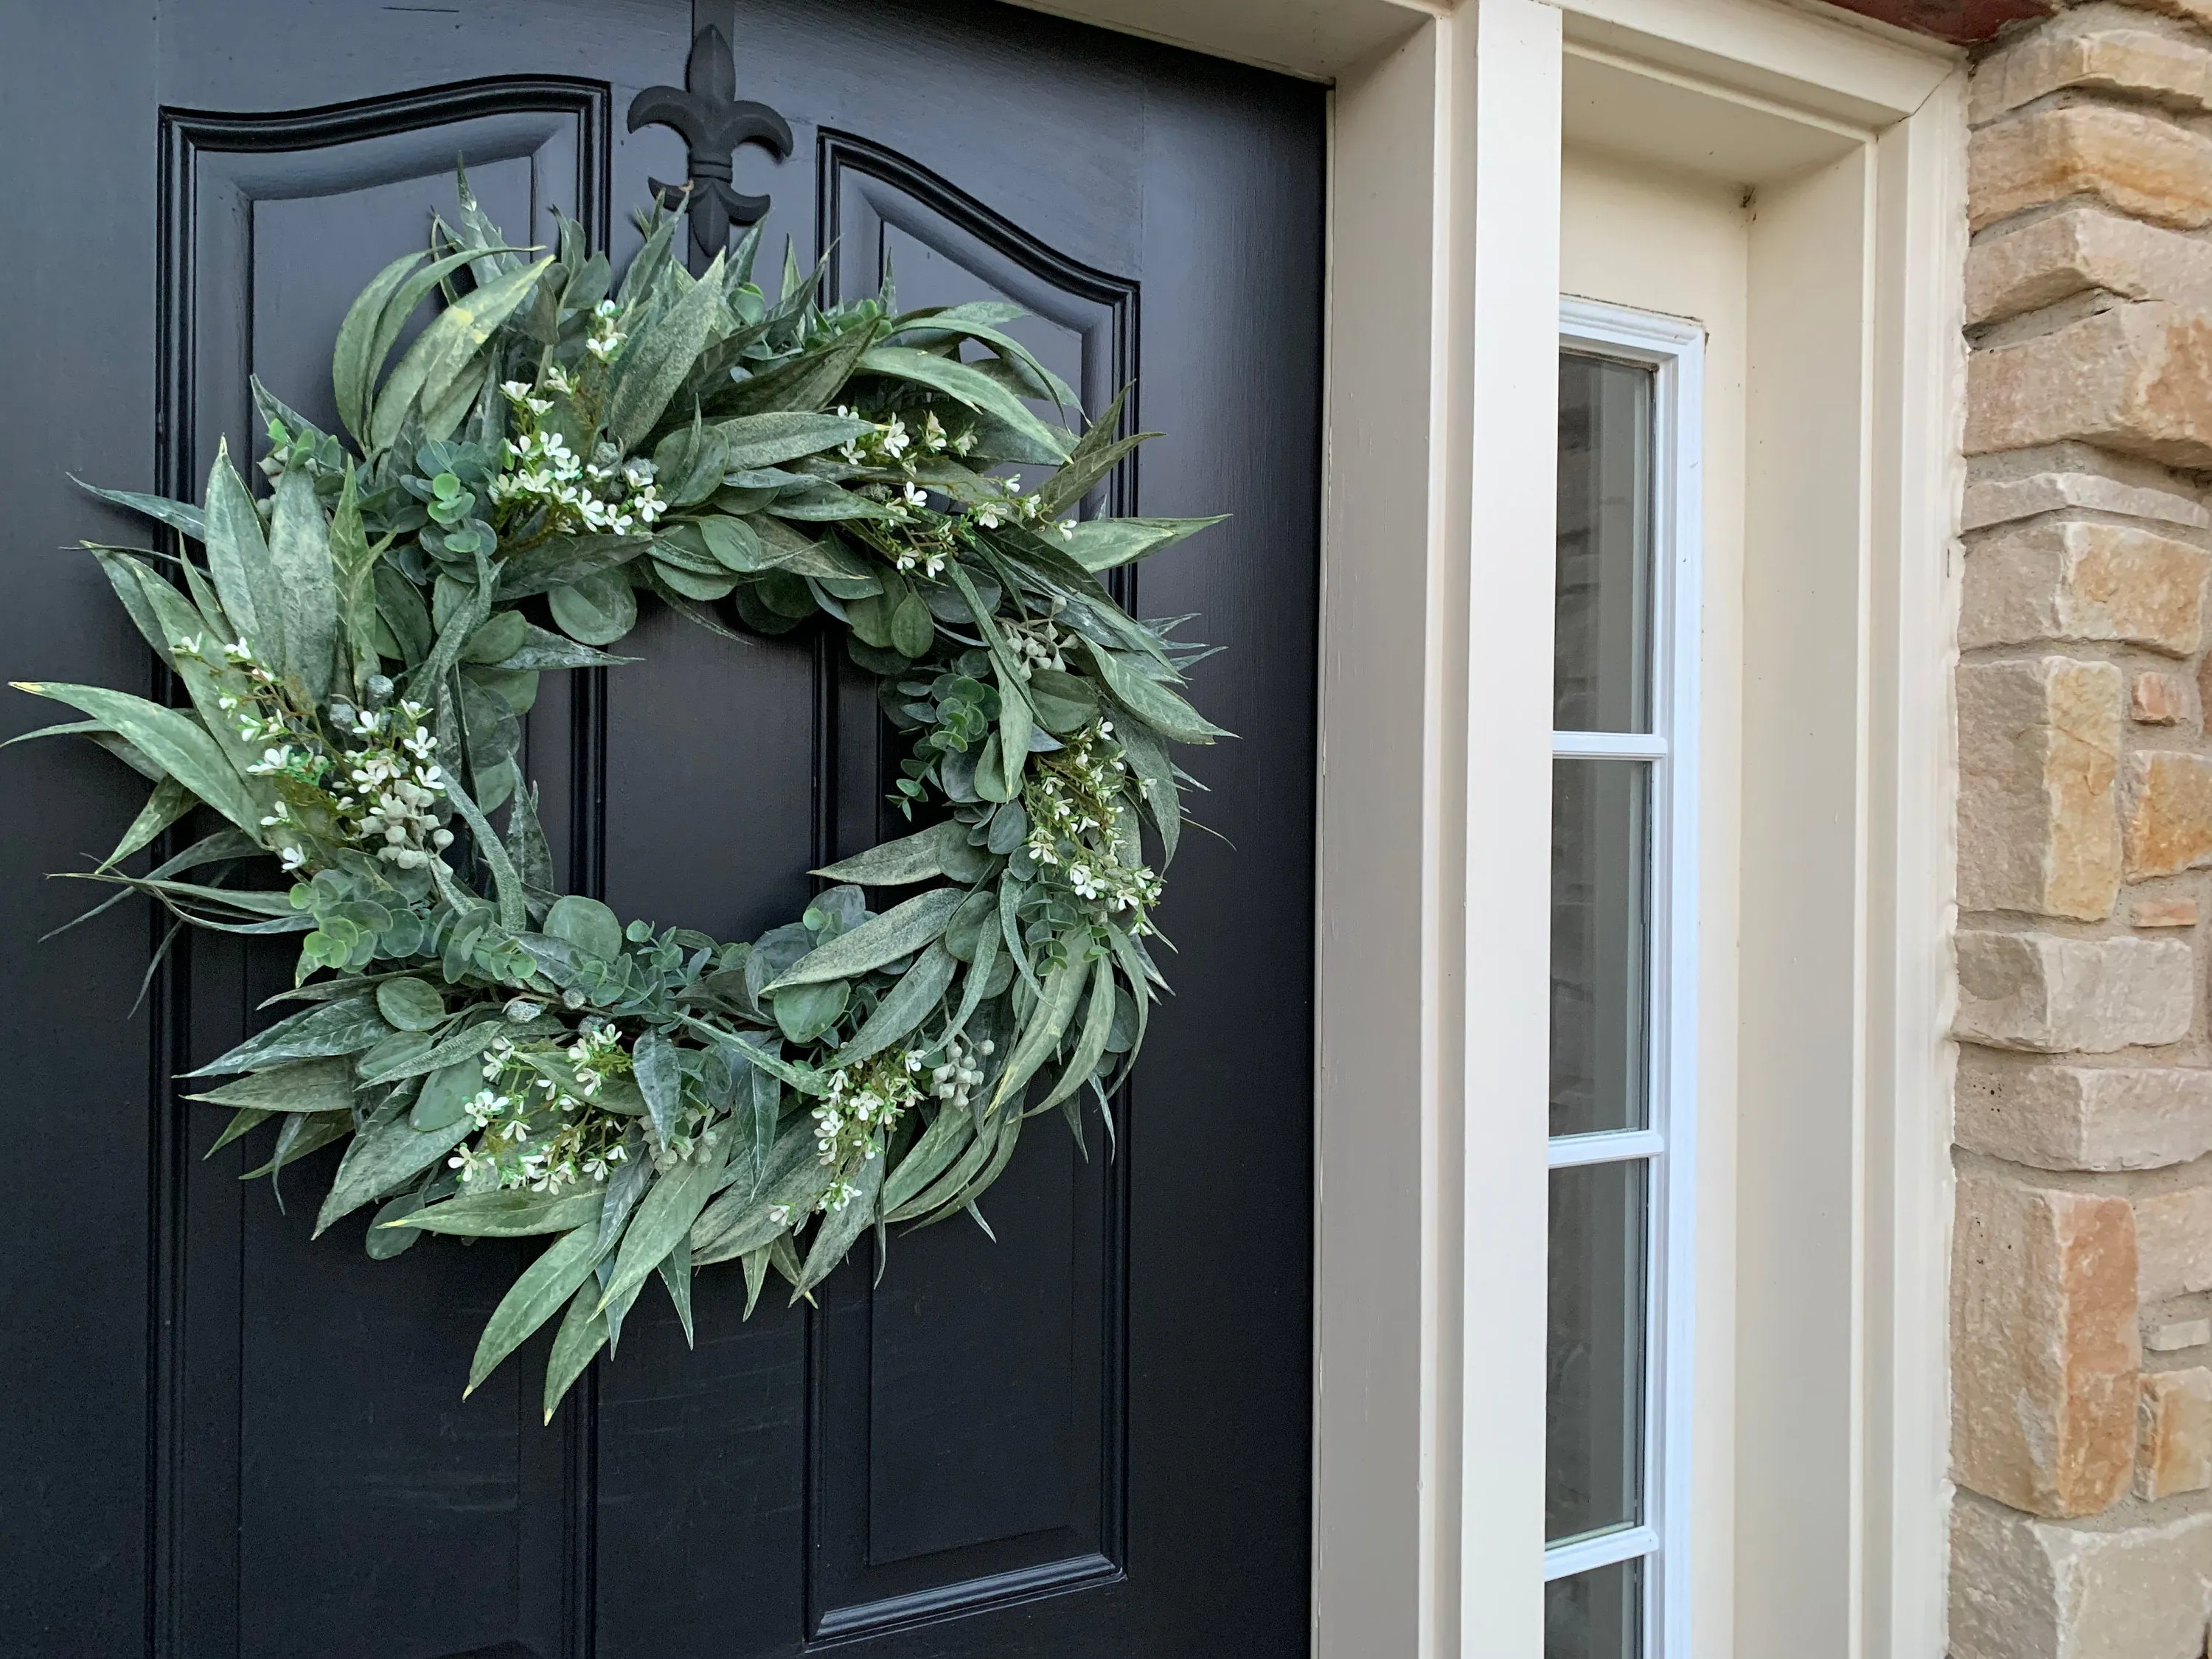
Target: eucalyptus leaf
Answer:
pixel 900 931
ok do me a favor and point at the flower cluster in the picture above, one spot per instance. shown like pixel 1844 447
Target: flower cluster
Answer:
pixel 1076 828
pixel 544 475
pixel 536 1127
pixel 1011 506
pixel 398 781
pixel 606 340
pixel 1038 644
pixel 854 1121
pixel 890 445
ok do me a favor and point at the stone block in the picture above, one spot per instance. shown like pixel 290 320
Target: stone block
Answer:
pixel 2173 1335
pixel 2158 699
pixel 2044 1350
pixel 2101 48
pixel 2038 754
pixel 2082 1117
pixel 2138 162
pixel 2051 995
pixel 2173 1235
pixel 2163 910
pixel 2136 378
pixel 2024 1588
pixel 2169 813
pixel 2004 487
pixel 2174 1426
pixel 2077 581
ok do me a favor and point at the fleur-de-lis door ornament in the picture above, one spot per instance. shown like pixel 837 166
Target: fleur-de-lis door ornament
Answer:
pixel 708 116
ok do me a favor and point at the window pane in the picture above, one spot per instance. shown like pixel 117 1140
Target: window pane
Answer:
pixel 1601 929
pixel 1596 1614
pixel 1593 1421
pixel 1602 662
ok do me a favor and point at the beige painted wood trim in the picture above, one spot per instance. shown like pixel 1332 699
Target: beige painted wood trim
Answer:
pixel 1431 927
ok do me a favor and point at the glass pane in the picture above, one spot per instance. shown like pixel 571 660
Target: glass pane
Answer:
pixel 1594 1416
pixel 1595 1615
pixel 1602 661
pixel 1601 938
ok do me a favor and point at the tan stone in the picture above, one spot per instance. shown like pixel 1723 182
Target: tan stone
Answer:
pixel 2049 995
pixel 2073 579
pixel 2043 1345
pixel 2173 1335
pixel 2082 1117
pixel 2156 699
pixel 2169 813
pixel 2174 1427
pixel 2038 747
pixel 2024 1588
pixel 2003 500
pixel 2136 378
pixel 2160 912
pixel 2174 1232
pixel 2100 47
pixel 2138 162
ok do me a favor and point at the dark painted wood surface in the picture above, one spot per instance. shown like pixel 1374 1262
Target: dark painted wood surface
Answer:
pixel 1088 1439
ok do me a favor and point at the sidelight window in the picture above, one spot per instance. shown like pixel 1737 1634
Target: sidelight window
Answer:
pixel 1623 968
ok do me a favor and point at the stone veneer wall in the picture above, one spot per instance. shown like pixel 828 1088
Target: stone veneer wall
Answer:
pixel 2081 1273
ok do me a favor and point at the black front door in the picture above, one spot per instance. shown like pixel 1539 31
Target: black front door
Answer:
pixel 1088 1439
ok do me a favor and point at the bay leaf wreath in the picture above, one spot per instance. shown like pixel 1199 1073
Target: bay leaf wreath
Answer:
pixel 355 652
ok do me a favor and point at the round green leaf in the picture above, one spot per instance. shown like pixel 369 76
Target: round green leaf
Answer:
pixel 586 924
pixel 733 543
pixel 497 640
pixel 598 609
pixel 691 584
pixel 444 1093
pixel 912 629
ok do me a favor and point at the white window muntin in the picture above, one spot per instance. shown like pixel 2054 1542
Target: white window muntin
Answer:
pixel 1672 348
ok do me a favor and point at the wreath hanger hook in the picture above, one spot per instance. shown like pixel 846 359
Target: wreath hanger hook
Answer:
pixel 708 116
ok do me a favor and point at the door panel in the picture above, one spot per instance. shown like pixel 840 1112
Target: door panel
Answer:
pixel 1087 1438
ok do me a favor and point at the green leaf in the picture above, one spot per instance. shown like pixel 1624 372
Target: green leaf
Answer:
pixel 1147 755
pixel 914 630
pixel 665 1217
pixel 841 1229
pixel 900 931
pixel 805 1013
pixel 758 440
pixel 1091 1047
pixel 238 562
pixel 659 1068
pixel 307 1085
pixel 1064 702
pixel 513 907
pixel 1151 702
pixel 1048 1023
pixel 173 740
pixel 583 1333
pixel 446 349
pixel 178 515
pixel 964 385
pixel 895 863
pixel 943 1141
pixel 353 574
pixel 655 363
pixel 414 1057
pixel 300 1135
pixel 300 551
pixel 344 1025
pixel 597 610
pixel 506 1215
pixel 563 561
pixel 588 925
pixel 410 1004
pixel 170 801
pixel 1109 544
pixel 807 382
pixel 745 1217
pixel 675 1274
pixel 372 327
pixel 383 1241
pixel 387 1151
pixel 445 1095
pixel 543 1286
pixel 904 1006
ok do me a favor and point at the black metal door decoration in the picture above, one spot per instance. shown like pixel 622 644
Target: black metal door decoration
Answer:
pixel 707 113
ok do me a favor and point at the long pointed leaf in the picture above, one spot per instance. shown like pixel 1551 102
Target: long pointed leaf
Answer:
pixel 173 740
pixel 545 1284
pixel 900 930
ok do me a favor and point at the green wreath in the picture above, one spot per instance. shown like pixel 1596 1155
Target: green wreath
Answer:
pixel 355 652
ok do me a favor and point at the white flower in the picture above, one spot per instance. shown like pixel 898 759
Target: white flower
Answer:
pixel 515 392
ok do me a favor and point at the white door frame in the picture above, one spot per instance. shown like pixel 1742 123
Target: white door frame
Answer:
pixel 1825 1196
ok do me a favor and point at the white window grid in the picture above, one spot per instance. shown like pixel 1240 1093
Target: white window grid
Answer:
pixel 1673 350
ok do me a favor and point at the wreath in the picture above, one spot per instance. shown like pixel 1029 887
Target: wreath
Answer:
pixel 353 653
